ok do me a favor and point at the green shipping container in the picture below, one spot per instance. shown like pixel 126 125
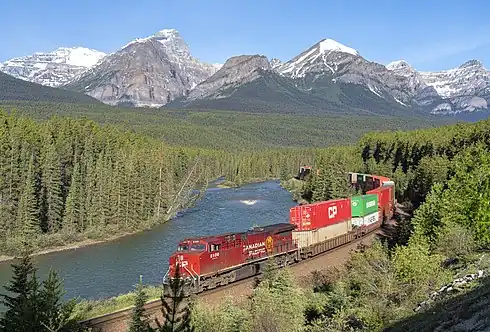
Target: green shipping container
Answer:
pixel 363 205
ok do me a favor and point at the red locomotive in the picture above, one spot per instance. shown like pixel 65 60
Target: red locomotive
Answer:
pixel 209 262
pixel 213 261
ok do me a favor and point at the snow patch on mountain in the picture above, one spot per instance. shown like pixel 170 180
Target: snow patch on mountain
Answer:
pixel 53 68
pixel 465 80
pixel 325 56
pixel 330 45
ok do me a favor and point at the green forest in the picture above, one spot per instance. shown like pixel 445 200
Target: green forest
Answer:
pixel 72 179
pixel 65 180
pixel 227 130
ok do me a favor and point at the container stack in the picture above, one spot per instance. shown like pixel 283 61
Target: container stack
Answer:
pixel 321 221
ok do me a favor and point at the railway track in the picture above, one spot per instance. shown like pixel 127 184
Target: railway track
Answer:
pixel 118 320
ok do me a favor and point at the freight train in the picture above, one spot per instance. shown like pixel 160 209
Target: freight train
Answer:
pixel 209 262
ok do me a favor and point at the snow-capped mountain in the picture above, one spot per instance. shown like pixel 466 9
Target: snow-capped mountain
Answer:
pixel 328 76
pixel 318 58
pixel 461 89
pixel 467 79
pixel 54 68
pixel 422 92
pixel 330 62
pixel 149 71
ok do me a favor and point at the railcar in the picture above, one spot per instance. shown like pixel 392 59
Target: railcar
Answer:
pixel 213 261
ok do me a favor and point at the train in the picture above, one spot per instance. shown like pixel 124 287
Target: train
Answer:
pixel 209 262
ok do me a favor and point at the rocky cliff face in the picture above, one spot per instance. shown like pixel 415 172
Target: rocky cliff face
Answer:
pixel 54 68
pixel 236 71
pixel 150 71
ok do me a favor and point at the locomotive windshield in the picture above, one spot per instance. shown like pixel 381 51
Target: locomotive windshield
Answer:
pixel 191 247
pixel 183 247
pixel 198 247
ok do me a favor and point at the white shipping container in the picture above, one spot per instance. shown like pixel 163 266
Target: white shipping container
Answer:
pixel 371 218
pixel 365 221
pixel 357 221
pixel 308 238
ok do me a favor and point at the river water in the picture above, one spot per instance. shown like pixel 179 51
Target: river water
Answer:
pixel 112 268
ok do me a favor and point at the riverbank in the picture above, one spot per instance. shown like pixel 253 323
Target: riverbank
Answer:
pixel 85 242
pixel 230 184
pixel 72 246
pixel 296 188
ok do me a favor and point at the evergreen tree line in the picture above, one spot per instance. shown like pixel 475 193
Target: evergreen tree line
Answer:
pixel 64 180
pixel 418 159
pixel 415 160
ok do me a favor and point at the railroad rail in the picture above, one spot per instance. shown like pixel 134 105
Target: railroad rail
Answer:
pixel 117 321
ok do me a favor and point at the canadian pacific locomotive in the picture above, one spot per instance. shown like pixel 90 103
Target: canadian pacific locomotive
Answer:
pixel 212 261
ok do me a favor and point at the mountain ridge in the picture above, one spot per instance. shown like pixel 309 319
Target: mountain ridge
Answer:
pixel 160 71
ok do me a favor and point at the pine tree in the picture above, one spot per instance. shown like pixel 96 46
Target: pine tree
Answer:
pixel 21 311
pixel 72 220
pixel 139 321
pixel 56 315
pixel 28 213
pixel 177 315
pixel 52 192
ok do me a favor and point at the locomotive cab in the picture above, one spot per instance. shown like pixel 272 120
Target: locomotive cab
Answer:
pixel 187 258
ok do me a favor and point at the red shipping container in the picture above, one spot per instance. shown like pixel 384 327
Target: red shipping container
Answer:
pixel 385 201
pixel 317 215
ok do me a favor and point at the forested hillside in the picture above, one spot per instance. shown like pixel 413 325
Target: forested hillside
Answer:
pixel 12 88
pixel 65 180
pixel 442 177
pixel 229 130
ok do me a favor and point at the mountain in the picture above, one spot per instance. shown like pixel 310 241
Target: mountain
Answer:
pixel 54 68
pixel 326 78
pixel 12 89
pixel 332 77
pixel 463 89
pixel 247 82
pixel 159 70
pixel 340 74
pixel 149 71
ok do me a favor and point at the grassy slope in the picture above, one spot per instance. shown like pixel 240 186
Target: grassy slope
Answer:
pixel 225 129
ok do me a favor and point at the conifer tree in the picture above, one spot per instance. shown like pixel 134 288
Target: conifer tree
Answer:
pixel 55 314
pixel 22 313
pixel 72 221
pixel 28 213
pixel 52 194
pixel 176 313
pixel 139 321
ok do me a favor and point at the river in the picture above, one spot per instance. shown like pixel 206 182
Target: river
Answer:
pixel 112 268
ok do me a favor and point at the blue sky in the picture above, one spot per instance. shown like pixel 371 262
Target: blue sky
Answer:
pixel 430 35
